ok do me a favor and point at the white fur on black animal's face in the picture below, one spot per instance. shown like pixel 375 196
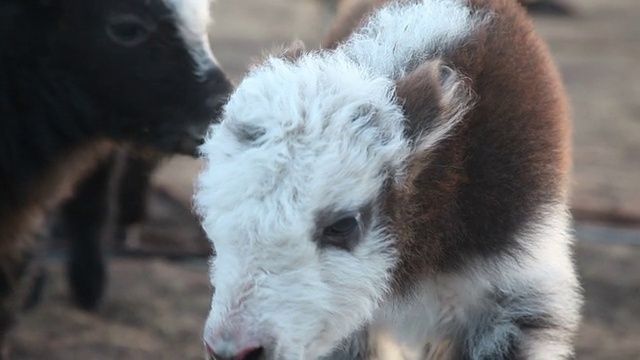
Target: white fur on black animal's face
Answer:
pixel 193 17
pixel 283 166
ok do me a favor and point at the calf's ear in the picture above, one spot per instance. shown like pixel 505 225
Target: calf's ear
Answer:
pixel 293 51
pixel 289 52
pixel 435 99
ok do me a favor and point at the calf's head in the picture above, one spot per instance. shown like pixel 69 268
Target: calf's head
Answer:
pixel 294 201
pixel 146 64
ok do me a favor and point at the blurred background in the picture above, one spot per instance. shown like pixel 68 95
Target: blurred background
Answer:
pixel 158 293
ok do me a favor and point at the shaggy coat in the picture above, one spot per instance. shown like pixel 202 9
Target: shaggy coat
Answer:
pixel 409 187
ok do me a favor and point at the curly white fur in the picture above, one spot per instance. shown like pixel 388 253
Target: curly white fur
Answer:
pixel 322 133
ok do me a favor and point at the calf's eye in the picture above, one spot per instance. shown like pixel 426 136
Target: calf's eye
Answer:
pixel 341 228
pixel 128 30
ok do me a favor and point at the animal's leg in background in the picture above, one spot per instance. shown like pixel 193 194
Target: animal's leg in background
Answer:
pixel 21 282
pixel 85 219
pixel 120 183
pixel 8 309
pixel 132 192
pixel 8 303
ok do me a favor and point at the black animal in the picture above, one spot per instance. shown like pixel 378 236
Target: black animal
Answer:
pixel 79 78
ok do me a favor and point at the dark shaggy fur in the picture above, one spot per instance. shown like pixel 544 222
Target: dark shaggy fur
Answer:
pixel 69 95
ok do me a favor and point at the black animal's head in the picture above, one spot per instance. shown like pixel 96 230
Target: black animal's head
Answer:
pixel 146 64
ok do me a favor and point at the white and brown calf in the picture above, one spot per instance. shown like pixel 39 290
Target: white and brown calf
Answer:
pixel 410 185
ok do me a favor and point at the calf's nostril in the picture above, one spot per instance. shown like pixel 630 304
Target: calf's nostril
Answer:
pixel 246 354
pixel 255 354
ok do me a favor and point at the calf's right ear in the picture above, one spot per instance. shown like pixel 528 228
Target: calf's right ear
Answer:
pixel 435 98
pixel 293 51
pixel 289 52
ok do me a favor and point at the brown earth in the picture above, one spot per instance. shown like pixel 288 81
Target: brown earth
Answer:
pixel 155 308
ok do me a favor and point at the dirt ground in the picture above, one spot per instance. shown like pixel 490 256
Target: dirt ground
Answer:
pixel 155 307
pixel 155 310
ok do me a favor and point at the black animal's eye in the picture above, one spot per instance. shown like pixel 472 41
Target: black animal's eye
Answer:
pixel 128 30
pixel 341 228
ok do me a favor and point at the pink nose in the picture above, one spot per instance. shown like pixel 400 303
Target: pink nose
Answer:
pixel 251 353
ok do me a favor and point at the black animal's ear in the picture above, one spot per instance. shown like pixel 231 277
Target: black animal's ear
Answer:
pixel 435 99
pixel 45 4
pixel 49 9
